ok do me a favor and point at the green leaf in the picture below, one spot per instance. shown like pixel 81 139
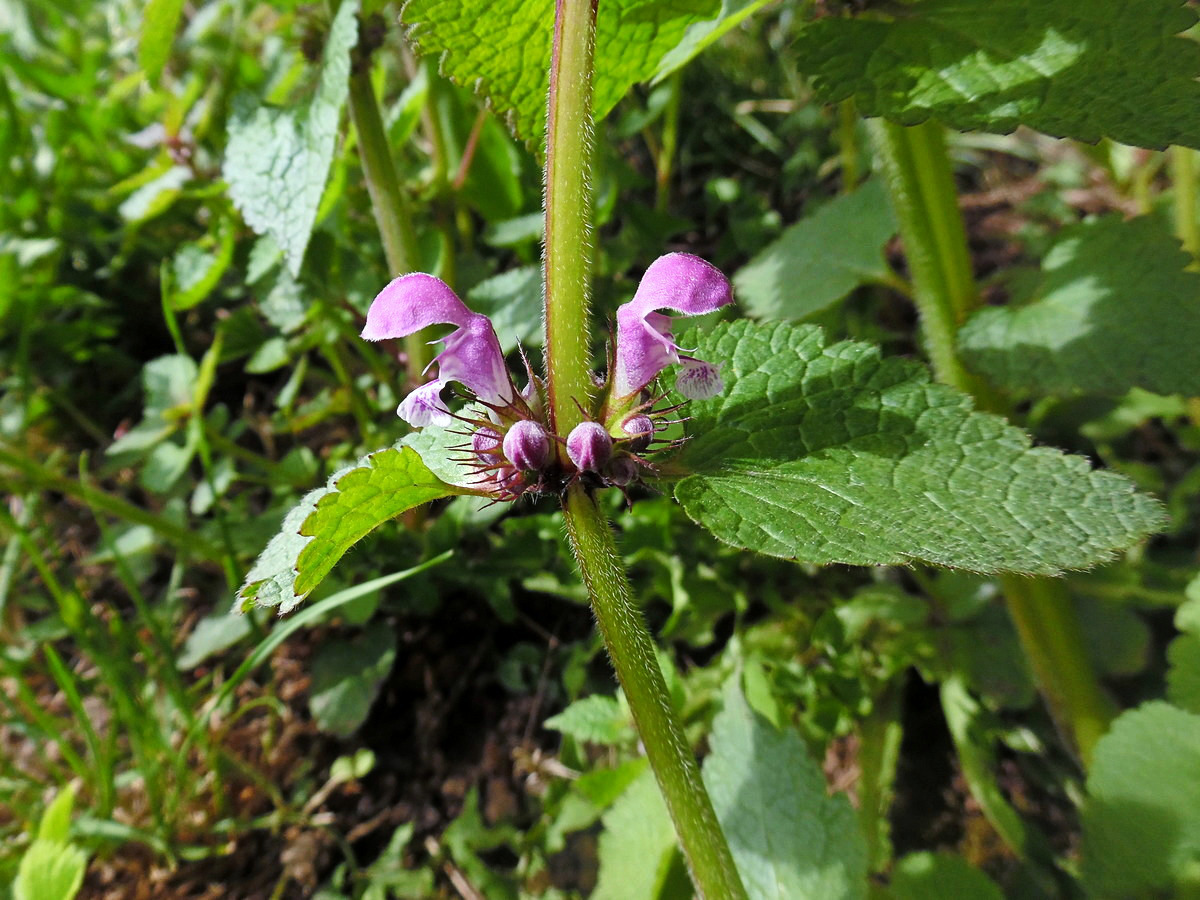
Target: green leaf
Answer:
pixel 1109 68
pixel 596 720
pixel 212 634
pixel 50 871
pixel 1114 309
pixel 196 269
pixel 1117 638
pixel 52 868
pixel 821 258
pixel 940 876
pixel 346 675
pixel 328 521
pixel 831 454
pixel 504 45
pixel 513 301
pixel 1141 820
pixel 702 35
pixel 790 840
pixel 277 160
pixel 637 844
pixel 159 22
pixel 56 820
pixel 1183 676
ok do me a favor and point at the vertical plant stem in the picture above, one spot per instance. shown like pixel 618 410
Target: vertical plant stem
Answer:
pixel 1183 181
pixel 1049 630
pixel 632 653
pixel 392 212
pixel 878 755
pixel 848 144
pixel 917 169
pixel 568 251
pixel 568 368
pixel 665 158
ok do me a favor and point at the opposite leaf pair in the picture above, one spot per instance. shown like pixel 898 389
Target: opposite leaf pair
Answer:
pixel 511 448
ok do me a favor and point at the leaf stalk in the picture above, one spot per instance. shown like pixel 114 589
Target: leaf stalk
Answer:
pixel 393 214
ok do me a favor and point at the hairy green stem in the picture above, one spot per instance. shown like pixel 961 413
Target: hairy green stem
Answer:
pixel 632 652
pixel 392 212
pixel 568 369
pixel 917 170
pixel 878 755
pixel 920 180
pixel 568 250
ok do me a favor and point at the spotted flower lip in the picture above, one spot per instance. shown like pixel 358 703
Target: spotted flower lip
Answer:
pixel 471 356
pixel 645 345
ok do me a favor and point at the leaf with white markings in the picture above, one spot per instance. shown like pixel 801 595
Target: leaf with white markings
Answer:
pixel 330 520
pixel 830 453
pixel 277 160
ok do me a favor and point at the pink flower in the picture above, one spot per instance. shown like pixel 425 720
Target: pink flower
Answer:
pixel 645 344
pixel 471 356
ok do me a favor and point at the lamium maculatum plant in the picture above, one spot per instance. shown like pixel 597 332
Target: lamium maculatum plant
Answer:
pixel 795 447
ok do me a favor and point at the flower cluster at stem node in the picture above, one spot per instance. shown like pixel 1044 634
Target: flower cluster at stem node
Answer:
pixel 509 448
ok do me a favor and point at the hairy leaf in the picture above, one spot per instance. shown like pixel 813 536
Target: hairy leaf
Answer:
pixel 1109 68
pixel 1114 309
pixel 1141 820
pixel 821 258
pixel 328 521
pixel 504 47
pixel 789 839
pixel 832 454
pixel 277 160
pixel 596 719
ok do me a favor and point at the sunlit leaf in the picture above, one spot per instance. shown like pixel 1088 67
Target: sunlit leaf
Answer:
pixel 830 453
pixel 1109 68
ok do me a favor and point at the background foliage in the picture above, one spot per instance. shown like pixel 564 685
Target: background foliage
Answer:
pixel 187 248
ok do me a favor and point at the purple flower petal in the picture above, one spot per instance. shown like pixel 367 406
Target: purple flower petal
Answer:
pixel 471 356
pixel 698 380
pixel 424 406
pixel 645 344
pixel 410 303
pixel 589 446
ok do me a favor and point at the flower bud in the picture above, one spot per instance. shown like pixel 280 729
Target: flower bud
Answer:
pixel 622 471
pixel 484 442
pixel 640 429
pixel 526 445
pixel 589 446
